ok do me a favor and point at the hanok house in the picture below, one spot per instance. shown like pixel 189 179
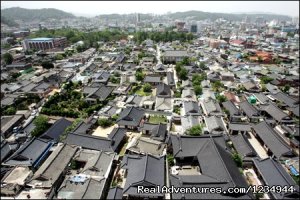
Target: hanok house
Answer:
pixel 174 56
pixel 131 118
pixel 30 154
pixel 163 90
pixel 189 121
pixel 89 177
pixel 285 100
pixel 163 104
pixel 50 174
pixel 56 130
pixel 250 111
pixel 188 94
pixel 112 143
pixel 7 149
pixel 144 145
pixel 8 123
pixel 272 174
pixel 191 108
pixel 152 80
pixel 142 171
pixel 239 137
pixel 14 180
pixel 235 115
pixel 204 161
pixel 170 80
pixel 94 93
pixel 156 131
pixel 101 77
pixel 211 108
pixel 18 66
pixel 272 111
pixel 215 125
pixel 271 141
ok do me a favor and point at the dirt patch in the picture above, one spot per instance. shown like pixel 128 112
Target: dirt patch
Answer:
pixel 103 132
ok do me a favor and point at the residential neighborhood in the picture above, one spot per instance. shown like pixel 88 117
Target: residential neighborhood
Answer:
pixel 90 113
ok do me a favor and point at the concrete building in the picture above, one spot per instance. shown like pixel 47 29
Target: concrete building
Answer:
pixel 44 43
pixel 194 28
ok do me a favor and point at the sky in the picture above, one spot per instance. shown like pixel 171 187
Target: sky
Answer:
pixel 93 8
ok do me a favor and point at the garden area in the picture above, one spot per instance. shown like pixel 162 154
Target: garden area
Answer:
pixel 145 90
pixel 156 119
pixel 195 130
pixel 70 103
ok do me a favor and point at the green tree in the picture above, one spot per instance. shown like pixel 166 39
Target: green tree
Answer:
pixel 202 65
pixel 10 111
pixel 286 88
pixel 237 159
pixel 139 76
pixel 266 79
pixel 147 87
pixel 217 85
pixel 178 67
pixel 41 125
pixel 59 57
pixel 8 58
pixel 198 89
pixel 115 117
pixel 221 98
pixel 263 87
pixel 104 122
pixel 195 130
pixel 47 65
pixel 183 74
pixel 15 75
pixel 185 61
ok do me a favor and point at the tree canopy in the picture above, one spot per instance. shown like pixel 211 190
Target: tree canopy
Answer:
pixel 41 125
pixel 8 58
pixel 47 65
pixel 195 130
pixel 147 87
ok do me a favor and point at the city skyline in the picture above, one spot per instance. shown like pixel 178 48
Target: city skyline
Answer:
pixel 94 8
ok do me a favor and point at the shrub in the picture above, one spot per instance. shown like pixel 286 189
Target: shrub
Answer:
pixel 10 111
pixel 103 122
pixel 147 87
pixel 170 159
pixel 195 130
pixel 237 159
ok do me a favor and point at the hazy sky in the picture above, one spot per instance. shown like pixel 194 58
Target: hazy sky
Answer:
pixel 92 8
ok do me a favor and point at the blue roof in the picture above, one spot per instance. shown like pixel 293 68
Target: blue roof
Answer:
pixel 40 39
pixel 294 170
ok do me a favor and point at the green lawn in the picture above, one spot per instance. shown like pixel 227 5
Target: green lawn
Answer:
pixel 157 119
pixel 142 93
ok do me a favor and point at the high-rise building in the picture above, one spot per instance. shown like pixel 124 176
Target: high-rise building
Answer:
pixel 194 28
pixel 138 18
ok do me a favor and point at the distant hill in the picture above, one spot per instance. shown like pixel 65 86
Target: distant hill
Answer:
pixel 8 22
pixel 199 15
pixel 10 15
